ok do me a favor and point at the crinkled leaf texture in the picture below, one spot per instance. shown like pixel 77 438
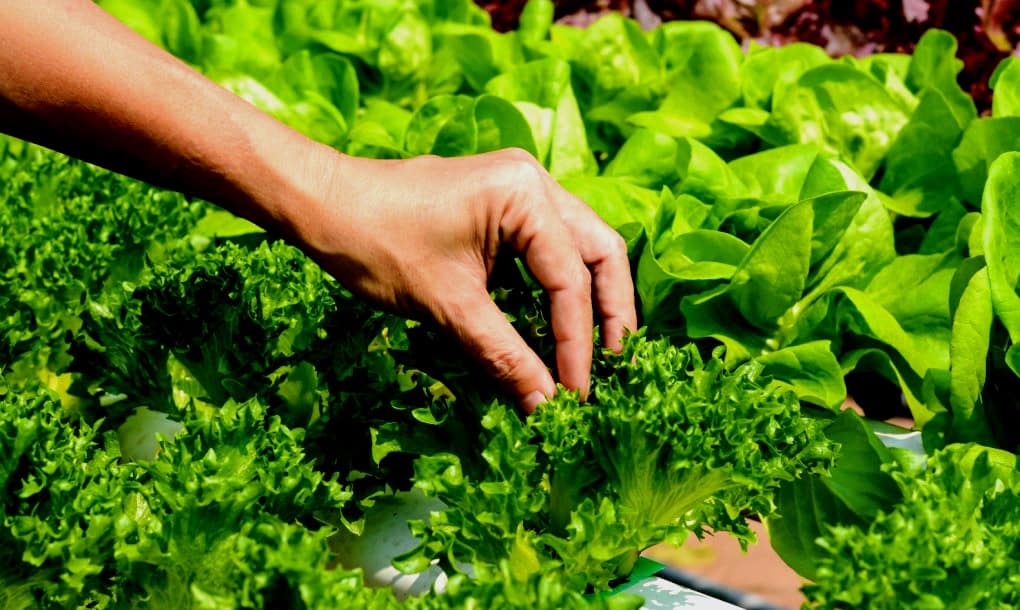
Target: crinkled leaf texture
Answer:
pixel 952 542
pixel 670 443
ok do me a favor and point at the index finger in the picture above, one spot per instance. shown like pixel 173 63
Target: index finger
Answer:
pixel 604 251
pixel 553 258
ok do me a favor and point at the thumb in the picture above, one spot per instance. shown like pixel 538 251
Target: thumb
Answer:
pixel 491 340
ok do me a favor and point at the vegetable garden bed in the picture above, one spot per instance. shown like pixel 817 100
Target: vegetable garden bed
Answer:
pixel 795 223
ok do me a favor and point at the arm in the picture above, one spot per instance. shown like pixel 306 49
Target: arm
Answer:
pixel 78 81
pixel 417 236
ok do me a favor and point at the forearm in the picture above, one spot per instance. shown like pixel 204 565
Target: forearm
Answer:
pixel 74 79
pixel 418 236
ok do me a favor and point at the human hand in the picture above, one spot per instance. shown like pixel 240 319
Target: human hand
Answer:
pixel 420 236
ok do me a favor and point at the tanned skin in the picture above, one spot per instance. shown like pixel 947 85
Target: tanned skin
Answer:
pixel 416 236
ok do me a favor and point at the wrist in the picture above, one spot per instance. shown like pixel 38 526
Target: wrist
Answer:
pixel 283 181
pixel 316 207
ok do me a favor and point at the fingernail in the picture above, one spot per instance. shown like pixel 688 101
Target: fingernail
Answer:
pixel 531 401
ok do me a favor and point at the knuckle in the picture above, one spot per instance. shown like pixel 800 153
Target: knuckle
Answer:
pixel 518 179
pixel 579 279
pixel 503 364
pixel 527 175
pixel 616 246
pixel 519 154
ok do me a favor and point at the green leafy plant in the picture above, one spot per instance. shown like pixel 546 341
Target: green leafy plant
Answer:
pixel 957 518
pixel 180 389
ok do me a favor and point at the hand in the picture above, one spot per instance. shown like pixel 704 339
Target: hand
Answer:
pixel 420 236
